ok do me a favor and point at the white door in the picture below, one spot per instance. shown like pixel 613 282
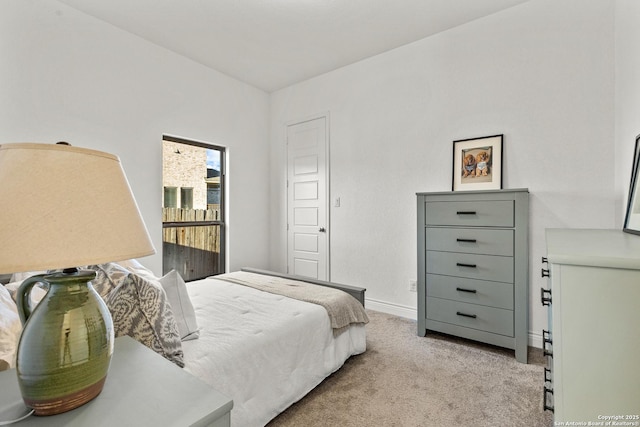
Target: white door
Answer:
pixel 307 199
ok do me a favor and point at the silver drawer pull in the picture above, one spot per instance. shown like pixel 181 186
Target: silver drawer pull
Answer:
pixel 471 291
pixel 472 316
pixel 460 264
pixel 466 212
pixel 467 240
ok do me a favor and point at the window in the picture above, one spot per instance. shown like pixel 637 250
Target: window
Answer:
pixel 193 235
pixel 186 198
pixel 170 197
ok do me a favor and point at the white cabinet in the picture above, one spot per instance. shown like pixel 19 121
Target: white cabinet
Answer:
pixel 594 326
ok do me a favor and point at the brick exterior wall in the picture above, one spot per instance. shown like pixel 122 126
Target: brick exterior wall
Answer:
pixel 185 170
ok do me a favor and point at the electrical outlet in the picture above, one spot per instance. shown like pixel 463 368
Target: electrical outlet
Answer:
pixel 413 286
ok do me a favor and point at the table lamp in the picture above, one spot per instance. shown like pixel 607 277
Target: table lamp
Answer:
pixel 63 207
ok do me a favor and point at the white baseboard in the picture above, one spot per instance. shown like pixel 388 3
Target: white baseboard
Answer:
pixel 389 308
pixel 535 339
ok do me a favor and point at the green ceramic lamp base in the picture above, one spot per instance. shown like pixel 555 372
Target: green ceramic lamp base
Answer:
pixel 65 403
pixel 66 344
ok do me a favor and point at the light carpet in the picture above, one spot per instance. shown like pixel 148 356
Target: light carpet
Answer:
pixel 404 380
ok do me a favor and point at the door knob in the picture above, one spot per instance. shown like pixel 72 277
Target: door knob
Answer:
pixel 322 230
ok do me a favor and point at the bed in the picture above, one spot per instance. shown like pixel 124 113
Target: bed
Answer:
pixel 255 344
pixel 264 350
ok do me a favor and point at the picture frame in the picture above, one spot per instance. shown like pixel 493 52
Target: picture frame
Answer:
pixel 477 163
pixel 632 216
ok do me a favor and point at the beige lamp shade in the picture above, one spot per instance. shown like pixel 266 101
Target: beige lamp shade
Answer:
pixel 64 206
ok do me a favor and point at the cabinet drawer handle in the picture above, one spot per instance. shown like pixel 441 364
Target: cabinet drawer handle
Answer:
pixel 472 316
pixel 545 300
pixel 460 264
pixel 544 272
pixel 546 393
pixel 471 291
pixel 546 339
pixel 466 212
pixel 467 240
pixel 547 375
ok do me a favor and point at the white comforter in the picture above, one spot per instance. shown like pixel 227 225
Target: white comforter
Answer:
pixel 262 350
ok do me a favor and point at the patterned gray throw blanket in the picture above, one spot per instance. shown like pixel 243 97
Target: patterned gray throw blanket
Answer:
pixel 343 309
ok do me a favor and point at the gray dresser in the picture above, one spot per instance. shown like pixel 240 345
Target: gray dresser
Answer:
pixel 473 266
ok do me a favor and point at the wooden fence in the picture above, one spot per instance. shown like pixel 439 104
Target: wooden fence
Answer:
pixel 186 215
pixel 191 249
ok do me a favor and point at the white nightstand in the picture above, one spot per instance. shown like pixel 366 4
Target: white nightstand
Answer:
pixel 142 389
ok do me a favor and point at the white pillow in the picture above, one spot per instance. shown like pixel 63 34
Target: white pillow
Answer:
pixel 183 311
pixel 10 329
pixel 37 292
pixel 19 277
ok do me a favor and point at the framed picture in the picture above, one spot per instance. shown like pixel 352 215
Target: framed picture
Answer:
pixel 632 218
pixel 477 164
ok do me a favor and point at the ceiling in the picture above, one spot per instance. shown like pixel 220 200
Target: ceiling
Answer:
pixel 272 44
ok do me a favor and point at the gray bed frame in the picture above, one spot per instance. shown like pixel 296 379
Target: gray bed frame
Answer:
pixel 354 291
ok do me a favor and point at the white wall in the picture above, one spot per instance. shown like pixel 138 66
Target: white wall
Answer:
pixel 627 89
pixel 541 73
pixel 66 76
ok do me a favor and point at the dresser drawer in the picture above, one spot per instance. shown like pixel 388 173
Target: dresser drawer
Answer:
pixel 489 319
pixel 489 213
pixel 470 240
pixel 472 266
pixel 483 292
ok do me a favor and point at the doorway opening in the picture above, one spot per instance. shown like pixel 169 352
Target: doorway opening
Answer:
pixel 193 226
